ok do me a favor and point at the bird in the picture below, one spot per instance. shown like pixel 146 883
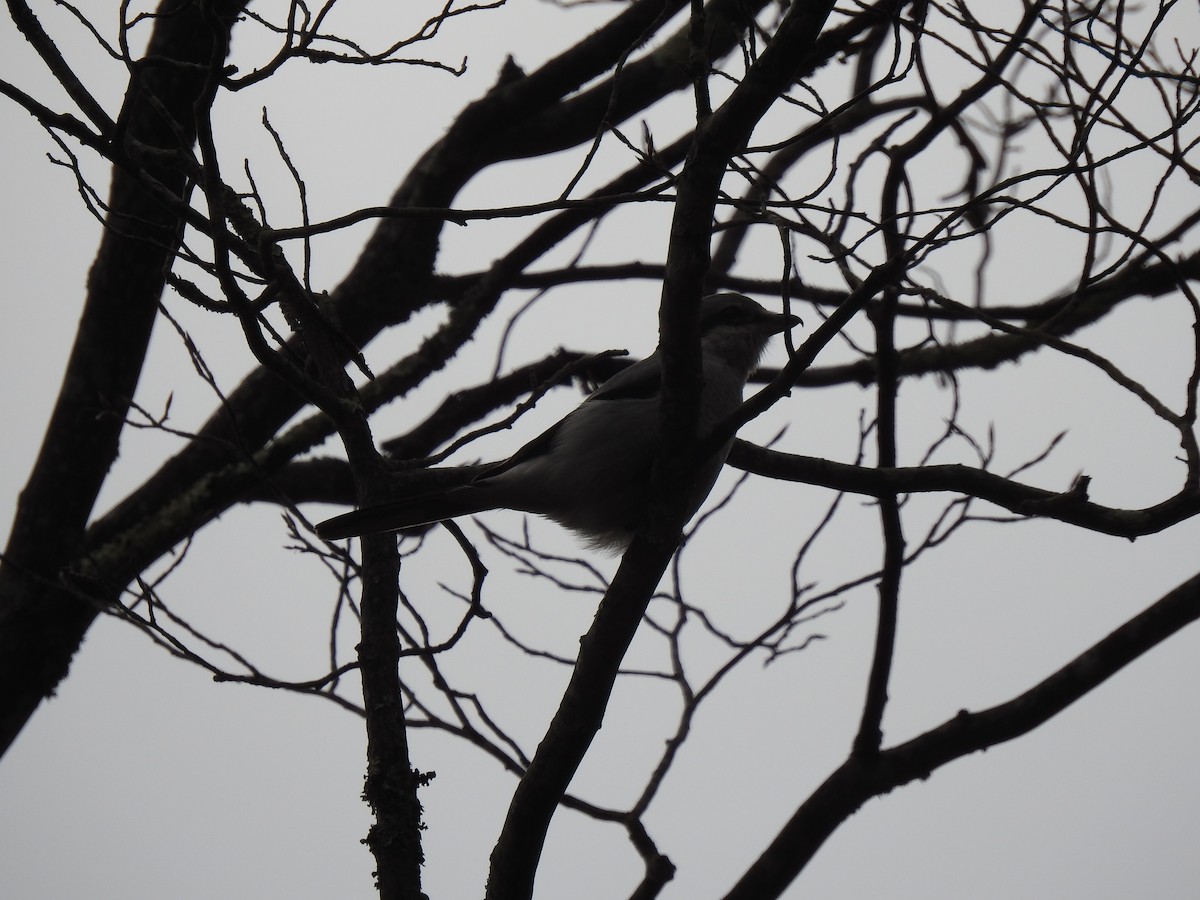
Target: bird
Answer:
pixel 590 472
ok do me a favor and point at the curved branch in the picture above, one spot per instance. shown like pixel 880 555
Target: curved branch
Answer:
pixel 1061 316
pixel 859 779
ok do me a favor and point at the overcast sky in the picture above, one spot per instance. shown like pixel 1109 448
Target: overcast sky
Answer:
pixel 144 778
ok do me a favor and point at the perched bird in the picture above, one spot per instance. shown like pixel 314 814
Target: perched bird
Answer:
pixel 591 471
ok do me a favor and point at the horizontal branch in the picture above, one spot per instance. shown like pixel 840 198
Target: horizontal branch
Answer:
pixel 460 216
pixel 1071 506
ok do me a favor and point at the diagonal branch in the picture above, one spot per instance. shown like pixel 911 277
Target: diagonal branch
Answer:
pixel 515 857
pixel 859 779
pixel 41 622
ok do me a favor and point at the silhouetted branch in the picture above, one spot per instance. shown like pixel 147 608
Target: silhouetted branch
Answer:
pixel 861 778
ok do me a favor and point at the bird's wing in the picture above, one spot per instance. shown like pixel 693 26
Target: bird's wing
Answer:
pixel 641 381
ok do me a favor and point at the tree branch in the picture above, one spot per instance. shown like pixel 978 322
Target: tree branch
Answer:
pixel 42 622
pixel 861 778
pixel 1070 506
pixel 515 857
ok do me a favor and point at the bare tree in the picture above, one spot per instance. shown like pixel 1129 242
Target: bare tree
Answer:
pixel 946 192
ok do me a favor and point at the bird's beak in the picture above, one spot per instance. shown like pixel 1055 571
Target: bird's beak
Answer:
pixel 774 322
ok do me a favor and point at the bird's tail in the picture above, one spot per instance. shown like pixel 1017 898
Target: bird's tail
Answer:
pixel 410 512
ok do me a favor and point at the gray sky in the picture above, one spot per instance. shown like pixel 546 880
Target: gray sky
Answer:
pixel 144 778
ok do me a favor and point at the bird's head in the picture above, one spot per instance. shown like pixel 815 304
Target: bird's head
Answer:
pixel 737 329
